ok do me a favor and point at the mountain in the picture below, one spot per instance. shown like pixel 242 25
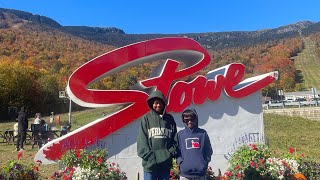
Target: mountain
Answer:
pixel 45 53
pixel 10 17
pixel 117 37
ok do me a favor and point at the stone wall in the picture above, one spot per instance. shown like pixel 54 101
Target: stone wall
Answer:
pixel 312 113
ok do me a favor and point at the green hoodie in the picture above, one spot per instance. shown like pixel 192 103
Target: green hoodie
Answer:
pixel 155 142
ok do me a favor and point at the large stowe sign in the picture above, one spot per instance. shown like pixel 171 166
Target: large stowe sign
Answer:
pixel 180 94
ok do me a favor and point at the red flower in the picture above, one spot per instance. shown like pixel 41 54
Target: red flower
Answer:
pixel 100 160
pixel 89 157
pixel 237 167
pixel 291 150
pixel 302 155
pixel 239 175
pixel 65 177
pixel 228 173
pixel 252 163
pixel 285 163
pixel 36 168
pixel 78 153
pixel 254 147
pixel 20 154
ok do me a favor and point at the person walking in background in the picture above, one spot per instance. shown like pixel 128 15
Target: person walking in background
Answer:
pixel 194 148
pixel 15 129
pixel 22 128
pixel 43 133
pixel 155 142
pixel 37 119
pixel 51 120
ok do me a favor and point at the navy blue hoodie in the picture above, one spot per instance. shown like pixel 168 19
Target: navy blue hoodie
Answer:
pixel 194 150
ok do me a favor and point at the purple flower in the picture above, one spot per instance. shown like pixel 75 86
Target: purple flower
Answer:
pixel 30 173
pixel 18 166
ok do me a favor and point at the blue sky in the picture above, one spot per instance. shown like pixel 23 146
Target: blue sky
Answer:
pixel 170 16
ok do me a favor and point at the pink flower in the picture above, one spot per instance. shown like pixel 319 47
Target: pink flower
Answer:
pixel 227 173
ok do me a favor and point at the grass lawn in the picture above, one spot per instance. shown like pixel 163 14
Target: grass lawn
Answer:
pixel 308 63
pixel 282 133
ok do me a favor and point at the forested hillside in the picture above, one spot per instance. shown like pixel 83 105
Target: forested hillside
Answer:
pixel 35 63
pixel 37 57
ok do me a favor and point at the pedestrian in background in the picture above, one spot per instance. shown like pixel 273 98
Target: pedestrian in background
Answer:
pixel 22 128
pixel 37 119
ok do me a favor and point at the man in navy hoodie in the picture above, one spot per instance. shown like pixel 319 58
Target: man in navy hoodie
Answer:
pixel 194 148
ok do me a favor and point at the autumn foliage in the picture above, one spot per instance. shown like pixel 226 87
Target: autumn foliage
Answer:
pixel 36 62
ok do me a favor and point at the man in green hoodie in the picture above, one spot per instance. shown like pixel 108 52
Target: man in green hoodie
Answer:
pixel 155 142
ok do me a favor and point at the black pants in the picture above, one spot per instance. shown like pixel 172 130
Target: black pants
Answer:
pixel 21 139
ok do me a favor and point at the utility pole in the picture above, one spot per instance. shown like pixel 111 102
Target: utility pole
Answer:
pixel 69 115
pixel 314 92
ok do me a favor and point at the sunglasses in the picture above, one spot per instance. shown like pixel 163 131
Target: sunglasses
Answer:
pixel 187 120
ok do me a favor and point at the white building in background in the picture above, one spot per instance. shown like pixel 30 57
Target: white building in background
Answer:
pixel 302 95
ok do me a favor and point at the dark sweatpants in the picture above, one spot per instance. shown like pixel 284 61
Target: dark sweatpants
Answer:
pixel 21 139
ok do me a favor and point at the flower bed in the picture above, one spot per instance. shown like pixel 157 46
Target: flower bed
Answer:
pixel 256 161
pixel 83 164
pixel 15 169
